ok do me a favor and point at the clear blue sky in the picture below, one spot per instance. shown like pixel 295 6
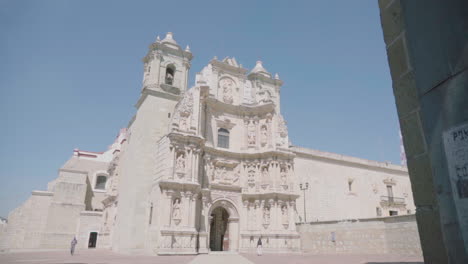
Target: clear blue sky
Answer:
pixel 71 71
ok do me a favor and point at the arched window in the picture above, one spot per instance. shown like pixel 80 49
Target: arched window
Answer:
pixel 100 182
pixel 170 71
pixel 223 138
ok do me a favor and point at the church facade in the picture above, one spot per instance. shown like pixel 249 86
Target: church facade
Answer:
pixel 210 168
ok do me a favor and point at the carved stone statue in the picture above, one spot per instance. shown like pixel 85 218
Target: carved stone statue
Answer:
pixel 251 178
pixel 283 176
pixel 180 163
pixel 265 173
pixel 251 134
pixel 263 135
pixel 266 215
pixel 284 215
pixel 176 210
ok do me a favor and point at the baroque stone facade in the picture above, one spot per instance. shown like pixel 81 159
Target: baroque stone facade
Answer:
pixel 210 168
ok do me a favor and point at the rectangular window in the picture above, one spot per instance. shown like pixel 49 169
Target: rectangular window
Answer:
pixel 389 191
pixel 223 138
pixel 393 213
pixel 378 211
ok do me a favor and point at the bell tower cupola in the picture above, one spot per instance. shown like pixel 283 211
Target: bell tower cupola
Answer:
pixel 166 66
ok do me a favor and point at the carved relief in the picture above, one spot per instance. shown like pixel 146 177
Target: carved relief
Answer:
pixel 184 113
pixel 282 130
pixel 223 171
pixel 227 87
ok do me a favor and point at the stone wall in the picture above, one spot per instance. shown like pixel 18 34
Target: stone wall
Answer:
pixel 344 187
pixel 385 235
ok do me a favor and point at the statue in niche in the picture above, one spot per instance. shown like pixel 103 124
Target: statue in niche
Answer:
pixel 227 85
pixel 176 210
pixel 283 176
pixel 180 163
pixel 264 135
pixel 251 134
pixel 284 215
pixel 266 215
pixel 251 178
pixel 265 173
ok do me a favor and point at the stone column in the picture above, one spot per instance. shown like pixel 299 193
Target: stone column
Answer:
pixel 184 208
pixel 168 207
pixel 233 225
pixel 258 215
pixel 292 224
pixel 195 165
pixel 189 162
pixel 174 156
pixel 246 132
pixel 245 214
pixel 273 214
pixel 190 206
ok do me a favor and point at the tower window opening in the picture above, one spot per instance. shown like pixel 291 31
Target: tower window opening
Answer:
pixel 170 71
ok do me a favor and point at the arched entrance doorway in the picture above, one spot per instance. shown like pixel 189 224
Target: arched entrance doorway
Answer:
pixel 223 221
pixel 219 232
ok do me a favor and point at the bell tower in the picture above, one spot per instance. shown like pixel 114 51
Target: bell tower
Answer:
pixel 166 66
pixel 165 76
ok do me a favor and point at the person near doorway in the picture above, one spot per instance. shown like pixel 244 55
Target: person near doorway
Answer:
pixel 73 244
pixel 259 246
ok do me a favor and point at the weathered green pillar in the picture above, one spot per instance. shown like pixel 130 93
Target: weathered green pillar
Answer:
pixel 427 49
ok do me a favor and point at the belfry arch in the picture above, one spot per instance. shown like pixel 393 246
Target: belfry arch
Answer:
pixel 223 226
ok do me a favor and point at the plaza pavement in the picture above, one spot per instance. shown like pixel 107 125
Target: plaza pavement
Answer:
pixel 108 257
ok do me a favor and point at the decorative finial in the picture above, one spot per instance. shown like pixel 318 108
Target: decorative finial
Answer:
pixel 276 76
pixel 187 48
pixel 158 39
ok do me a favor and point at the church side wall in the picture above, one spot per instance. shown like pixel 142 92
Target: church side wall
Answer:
pixel 67 203
pixel 27 222
pixel 330 196
pixel 396 235
pixel 138 169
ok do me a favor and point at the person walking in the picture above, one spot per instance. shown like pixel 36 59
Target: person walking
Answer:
pixel 259 246
pixel 73 244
